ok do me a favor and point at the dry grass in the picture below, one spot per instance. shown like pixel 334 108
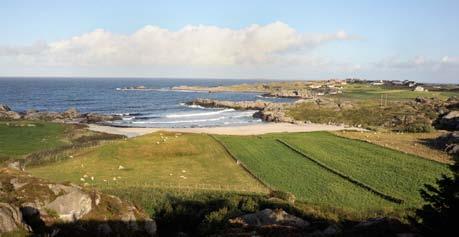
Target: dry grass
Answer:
pixel 412 143
pixel 158 160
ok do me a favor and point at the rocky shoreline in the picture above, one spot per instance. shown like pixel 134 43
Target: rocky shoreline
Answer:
pixel 267 111
pixel 70 115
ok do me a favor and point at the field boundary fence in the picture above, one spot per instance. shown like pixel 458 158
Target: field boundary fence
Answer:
pixel 179 186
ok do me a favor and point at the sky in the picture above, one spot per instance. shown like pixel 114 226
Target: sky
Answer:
pixel 377 40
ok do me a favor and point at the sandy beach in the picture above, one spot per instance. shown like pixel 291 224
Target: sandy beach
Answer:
pixel 255 129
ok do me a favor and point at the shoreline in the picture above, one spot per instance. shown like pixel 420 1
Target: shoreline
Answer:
pixel 255 129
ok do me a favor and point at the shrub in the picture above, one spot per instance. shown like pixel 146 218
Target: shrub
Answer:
pixel 417 127
pixel 286 196
pixel 248 204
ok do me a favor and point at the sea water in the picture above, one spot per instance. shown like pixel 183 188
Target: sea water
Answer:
pixel 159 107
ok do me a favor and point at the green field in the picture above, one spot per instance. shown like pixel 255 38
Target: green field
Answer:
pixel 366 92
pixel 286 170
pixel 169 160
pixel 391 172
pixel 20 138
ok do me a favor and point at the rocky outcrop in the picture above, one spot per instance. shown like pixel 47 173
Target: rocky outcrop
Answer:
pixel 35 115
pixel 4 108
pixel 277 222
pixel 71 115
pixel 267 111
pixel 268 217
pixel 46 208
pixel 96 118
pixel 450 121
pixel 11 219
pixel 277 116
pixel 71 206
pixel 242 105
pixel 7 114
pixel 448 142
pixel 300 94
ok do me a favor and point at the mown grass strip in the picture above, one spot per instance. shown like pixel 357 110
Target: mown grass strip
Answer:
pixel 386 170
pixel 288 171
pixel 344 176
pixel 241 163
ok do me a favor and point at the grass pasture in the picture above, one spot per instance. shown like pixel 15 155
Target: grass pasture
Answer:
pixel 370 92
pixel 286 170
pixel 391 172
pixel 20 138
pixel 159 160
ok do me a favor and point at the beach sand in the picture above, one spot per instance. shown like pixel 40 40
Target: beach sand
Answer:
pixel 254 129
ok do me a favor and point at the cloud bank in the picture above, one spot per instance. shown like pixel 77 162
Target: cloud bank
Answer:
pixel 419 63
pixel 192 45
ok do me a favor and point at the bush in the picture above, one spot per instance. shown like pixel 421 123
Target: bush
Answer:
pixel 248 204
pixel 417 127
pixel 286 196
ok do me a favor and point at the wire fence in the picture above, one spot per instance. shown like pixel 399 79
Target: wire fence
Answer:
pixel 119 184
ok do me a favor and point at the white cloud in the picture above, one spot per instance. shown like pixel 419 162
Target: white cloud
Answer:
pixel 450 60
pixel 192 45
pixel 419 63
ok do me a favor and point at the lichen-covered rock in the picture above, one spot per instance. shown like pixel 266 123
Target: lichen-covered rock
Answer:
pixel 7 114
pixel 268 217
pixel 67 209
pixel 71 113
pixel 11 219
pixel 71 206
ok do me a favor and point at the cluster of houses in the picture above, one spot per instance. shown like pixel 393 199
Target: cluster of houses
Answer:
pixel 329 87
pixel 393 83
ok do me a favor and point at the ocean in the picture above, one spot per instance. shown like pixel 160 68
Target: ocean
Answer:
pixel 161 107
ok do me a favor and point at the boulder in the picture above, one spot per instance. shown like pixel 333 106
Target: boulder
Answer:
pixel 67 209
pixel 449 142
pixel 269 217
pixel 16 165
pixel 450 121
pixel 71 113
pixel 11 219
pixel 71 206
pixel 277 116
pixel 4 108
pixel 96 118
pixel 7 114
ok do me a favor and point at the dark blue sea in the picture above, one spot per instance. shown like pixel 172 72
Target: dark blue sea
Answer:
pixel 161 107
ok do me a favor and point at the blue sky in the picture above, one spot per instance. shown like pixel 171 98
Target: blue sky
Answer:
pixel 372 39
